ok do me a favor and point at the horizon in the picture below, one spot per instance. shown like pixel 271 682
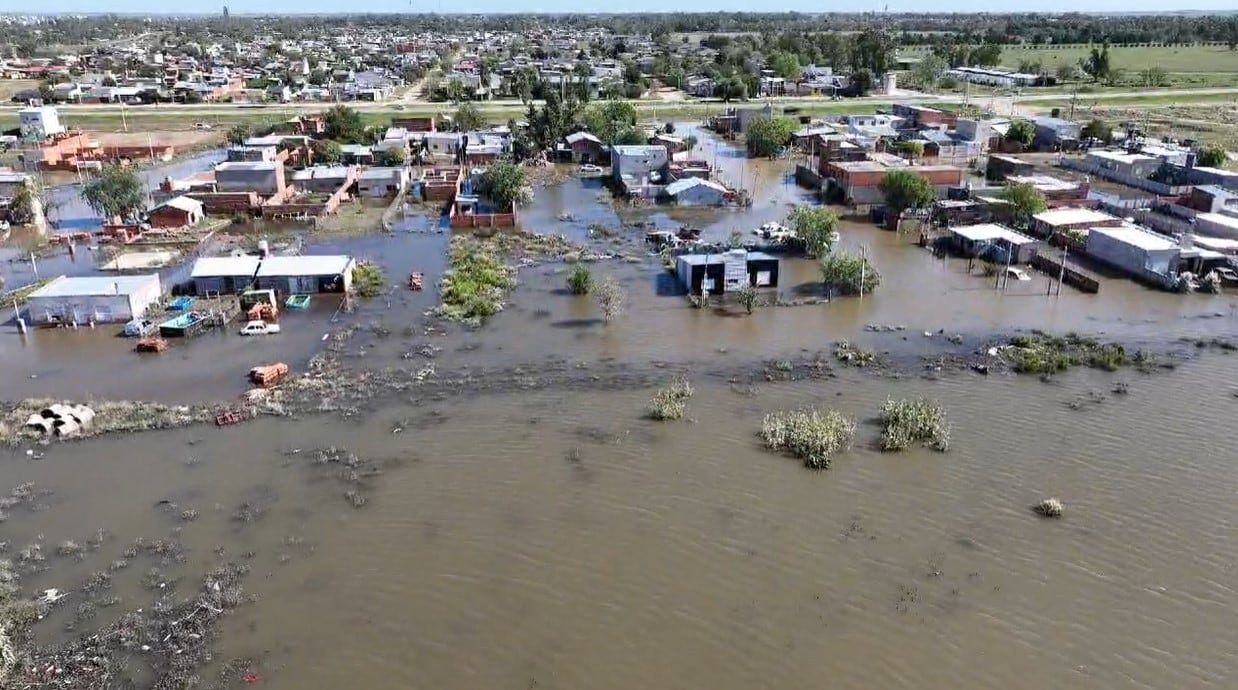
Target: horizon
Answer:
pixel 207 8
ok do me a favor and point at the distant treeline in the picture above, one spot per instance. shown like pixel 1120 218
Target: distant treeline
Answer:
pixel 908 29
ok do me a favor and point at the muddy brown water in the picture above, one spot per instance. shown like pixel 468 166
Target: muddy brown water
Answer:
pixel 553 538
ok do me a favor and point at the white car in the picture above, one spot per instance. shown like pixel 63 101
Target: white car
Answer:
pixel 260 328
pixel 590 169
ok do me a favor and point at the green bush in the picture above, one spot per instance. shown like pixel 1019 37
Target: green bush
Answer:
pixel 367 280
pixel 844 272
pixel 909 421
pixel 669 403
pixel 475 286
pixel 812 435
pixel 580 280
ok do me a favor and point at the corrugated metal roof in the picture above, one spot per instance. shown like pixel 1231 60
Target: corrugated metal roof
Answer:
pixel 184 203
pixel 78 286
pixel 326 265
pixel 217 266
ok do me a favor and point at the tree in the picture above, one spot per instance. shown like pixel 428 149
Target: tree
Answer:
pixel 1097 129
pixel 468 118
pixel 904 190
pixel 327 151
pixel 1066 72
pixel 608 119
pixel 861 82
pixel 928 71
pixel 610 297
pixel 239 133
pixel 1213 156
pixel 872 50
pixel 814 228
pixel 344 124
pixel 987 55
pixel 784 64
pixel 1025 201
pixel 1021 132
pixel 392 157
pixel 117 192
pixel 1096 65
pixel 847 273
pixel 506 185
pixel 731 88
pixel 767 136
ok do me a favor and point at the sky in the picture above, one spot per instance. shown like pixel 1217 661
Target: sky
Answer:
pixel 587 6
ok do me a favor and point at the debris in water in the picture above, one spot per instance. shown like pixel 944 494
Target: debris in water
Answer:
pixel 1050 507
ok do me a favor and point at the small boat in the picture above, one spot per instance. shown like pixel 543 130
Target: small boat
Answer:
pixel 298 302
pixel 138 328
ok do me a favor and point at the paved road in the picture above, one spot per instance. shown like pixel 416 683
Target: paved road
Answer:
pixel 998 103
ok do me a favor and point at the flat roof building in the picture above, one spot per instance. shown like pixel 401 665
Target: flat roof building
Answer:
pixel 93 299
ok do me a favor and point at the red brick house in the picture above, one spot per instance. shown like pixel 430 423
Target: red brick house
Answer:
pixel 177 212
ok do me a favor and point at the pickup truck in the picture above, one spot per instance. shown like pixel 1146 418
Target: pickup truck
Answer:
pixel 260 328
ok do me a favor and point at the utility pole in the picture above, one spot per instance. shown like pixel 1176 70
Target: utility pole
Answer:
pixel 1061 275
pixel 863 265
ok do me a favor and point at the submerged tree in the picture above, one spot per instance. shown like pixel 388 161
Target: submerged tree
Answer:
pixel 904 190
pixel 814 227
pixel 116 192
pixel 1025 201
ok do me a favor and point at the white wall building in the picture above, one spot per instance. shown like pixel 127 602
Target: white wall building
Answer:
pixel 93 299
pixel 40 122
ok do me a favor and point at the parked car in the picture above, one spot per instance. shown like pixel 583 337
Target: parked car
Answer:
pixel 1017 273
pixel 589 169
pixel 201 125
pixel 260 328
pixel 1227 275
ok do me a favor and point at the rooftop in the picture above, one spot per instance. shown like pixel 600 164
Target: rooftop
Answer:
pixel 77 286
pixel 213 266
pixel 246 166
pixel 689 182
pixel 991 231
pixel 1136 237
pixel 321 265
pixel 1072 216
pixel 1218 219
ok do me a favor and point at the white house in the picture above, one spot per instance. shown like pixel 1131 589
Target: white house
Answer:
pixel 696 191
pixel 93 299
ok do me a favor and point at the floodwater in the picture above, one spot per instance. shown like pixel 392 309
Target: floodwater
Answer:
pixel 550 537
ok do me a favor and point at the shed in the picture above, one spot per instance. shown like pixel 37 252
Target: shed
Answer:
pixel 93 299
pixel 1062 219
pixel 726 271
pixel 299 275
pixel 230 275
pixel 177 212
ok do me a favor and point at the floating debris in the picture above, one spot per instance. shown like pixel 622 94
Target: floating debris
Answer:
pixel 1050 507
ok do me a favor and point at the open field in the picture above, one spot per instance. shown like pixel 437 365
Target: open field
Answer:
pixel 8 87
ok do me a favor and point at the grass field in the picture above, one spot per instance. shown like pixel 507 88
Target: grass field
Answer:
pixel 8 87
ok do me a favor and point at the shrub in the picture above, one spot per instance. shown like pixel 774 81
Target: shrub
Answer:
pixel 812 435
pixel 367 280
pixel 580 280
pixel 845 272
pixel 610 296
pixel 669 403
pixel 475 286
pixel 909 421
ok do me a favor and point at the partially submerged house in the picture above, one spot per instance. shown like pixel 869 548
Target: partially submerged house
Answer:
pixel 726 271
pixel 301 275
pixel 993 241
pixel 696 191
pixel 378 183
pixel 227 275
pixel 93 299
pixel 177 212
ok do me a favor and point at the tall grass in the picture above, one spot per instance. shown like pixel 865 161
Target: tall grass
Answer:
pixel 670 402
pixel 810 434
pixel 910 421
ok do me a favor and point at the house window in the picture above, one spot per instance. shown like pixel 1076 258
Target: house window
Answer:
pixel 764 278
